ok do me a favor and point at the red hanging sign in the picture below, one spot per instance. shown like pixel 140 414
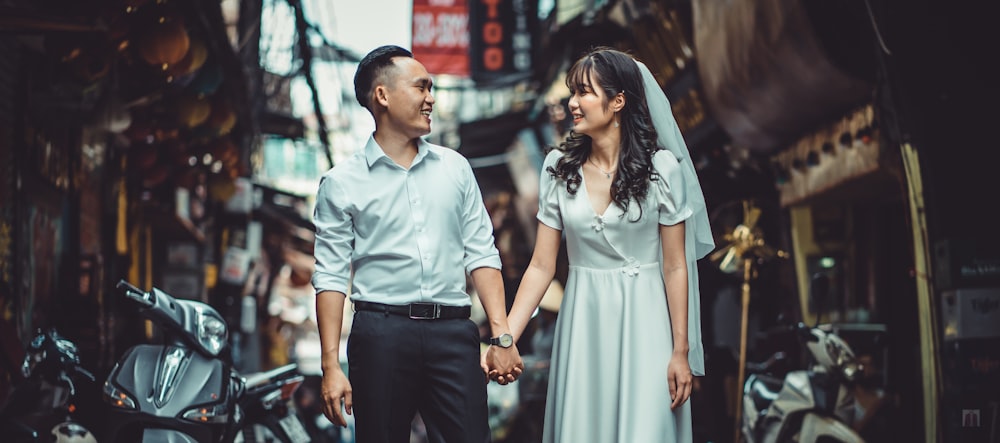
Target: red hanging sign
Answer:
pixel 441 36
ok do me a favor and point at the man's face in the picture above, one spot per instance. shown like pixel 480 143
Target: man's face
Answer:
pixel 407 97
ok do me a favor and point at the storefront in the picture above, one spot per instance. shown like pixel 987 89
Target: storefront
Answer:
pixel 843 190
pixel 872 116
pixel 122 131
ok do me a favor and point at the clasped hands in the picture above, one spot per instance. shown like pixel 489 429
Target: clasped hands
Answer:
pixel 502 365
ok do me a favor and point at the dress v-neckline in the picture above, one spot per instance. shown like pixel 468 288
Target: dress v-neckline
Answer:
pixel 590 204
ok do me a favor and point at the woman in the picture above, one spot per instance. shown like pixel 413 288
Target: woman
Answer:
pixel 623 191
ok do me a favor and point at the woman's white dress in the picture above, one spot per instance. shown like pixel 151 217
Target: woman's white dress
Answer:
pixel 608 379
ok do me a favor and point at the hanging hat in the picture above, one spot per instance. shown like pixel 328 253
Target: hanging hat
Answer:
pixel 552 298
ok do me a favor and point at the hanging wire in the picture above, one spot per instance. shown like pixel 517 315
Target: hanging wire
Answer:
pixel 306 55
pixel 293 46
pixel 878 33
pixel 279 53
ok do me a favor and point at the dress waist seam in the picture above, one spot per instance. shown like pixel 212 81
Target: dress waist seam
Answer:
pixel 615 269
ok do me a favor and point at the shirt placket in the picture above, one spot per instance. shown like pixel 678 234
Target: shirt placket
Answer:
pixel 419 219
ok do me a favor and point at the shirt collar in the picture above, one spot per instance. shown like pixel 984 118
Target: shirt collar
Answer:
pixel 374 153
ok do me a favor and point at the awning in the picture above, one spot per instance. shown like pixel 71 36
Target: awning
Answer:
pixel 288 211
pixel 766 74
pixel 491 136
pixel 840 161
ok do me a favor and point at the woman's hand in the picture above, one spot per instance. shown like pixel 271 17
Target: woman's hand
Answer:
pixel 679 379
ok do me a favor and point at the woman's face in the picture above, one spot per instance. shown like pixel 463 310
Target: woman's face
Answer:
pixel 589 105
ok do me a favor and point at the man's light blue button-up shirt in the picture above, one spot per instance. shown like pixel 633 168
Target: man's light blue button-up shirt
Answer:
pixel 409 234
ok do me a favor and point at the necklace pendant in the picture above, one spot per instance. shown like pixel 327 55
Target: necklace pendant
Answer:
pixel 606 173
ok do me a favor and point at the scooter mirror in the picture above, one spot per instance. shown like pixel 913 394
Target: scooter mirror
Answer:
pixel 805 332
pixel 819 294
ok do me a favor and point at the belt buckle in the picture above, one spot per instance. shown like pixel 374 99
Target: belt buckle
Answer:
pixel 435 311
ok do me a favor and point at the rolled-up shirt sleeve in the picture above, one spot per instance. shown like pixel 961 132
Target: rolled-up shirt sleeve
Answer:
pixel 477 228
pixel 334 238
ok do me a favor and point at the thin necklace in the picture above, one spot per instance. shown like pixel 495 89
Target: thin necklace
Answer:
pixel 606 173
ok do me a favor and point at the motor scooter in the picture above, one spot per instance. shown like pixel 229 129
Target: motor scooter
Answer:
pixel 43 407
pixel 806 406
pixel 185 389
pixel 269 411
pixel 180 390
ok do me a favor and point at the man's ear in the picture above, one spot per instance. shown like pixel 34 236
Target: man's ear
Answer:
pixel 380 95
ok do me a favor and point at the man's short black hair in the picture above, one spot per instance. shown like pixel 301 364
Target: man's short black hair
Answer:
pixel 372 67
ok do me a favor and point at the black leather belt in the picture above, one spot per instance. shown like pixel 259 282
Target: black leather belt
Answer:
pixel 417 311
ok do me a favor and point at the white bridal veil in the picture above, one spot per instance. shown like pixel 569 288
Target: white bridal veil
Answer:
pixel 698 241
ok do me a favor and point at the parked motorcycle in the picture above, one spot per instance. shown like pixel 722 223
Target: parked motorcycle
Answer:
pixel 270 414
pixel 185 389
pixel 43 407
pixel 811 405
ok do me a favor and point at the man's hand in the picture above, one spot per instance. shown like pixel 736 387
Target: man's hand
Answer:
pixel 504 364
pixel 336 393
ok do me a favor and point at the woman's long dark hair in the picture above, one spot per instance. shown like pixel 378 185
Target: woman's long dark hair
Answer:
pixel 614 72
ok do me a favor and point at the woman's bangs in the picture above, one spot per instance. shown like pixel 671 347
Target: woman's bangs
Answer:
pixel 579 76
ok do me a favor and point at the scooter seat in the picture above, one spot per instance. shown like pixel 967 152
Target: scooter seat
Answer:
pixel 260 378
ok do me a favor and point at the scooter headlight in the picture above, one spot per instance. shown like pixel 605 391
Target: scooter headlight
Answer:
pixel 208 414
pixel 117 398
pixel 841 356
pixel 212 331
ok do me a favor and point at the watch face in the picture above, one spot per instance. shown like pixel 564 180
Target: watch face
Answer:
pixel 506 340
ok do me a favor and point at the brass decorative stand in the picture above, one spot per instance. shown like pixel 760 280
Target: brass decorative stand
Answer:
pixel 745 249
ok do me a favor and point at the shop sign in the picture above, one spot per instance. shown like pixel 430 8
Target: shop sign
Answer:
pixel 971 313
pixel 441 36
pixel 964 263
pixel 501 38
pixel 235 266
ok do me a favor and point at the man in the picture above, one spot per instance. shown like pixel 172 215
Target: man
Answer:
pixel 408 217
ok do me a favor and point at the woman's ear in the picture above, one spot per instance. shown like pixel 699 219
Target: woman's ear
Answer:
pixel 618 102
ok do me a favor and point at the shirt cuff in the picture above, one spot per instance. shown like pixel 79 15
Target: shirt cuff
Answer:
pixel 492 261
pixel 329 283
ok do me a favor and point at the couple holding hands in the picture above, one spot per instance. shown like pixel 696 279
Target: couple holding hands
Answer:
pixel 402 221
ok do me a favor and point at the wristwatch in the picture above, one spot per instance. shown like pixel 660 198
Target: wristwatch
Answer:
pixel 504 340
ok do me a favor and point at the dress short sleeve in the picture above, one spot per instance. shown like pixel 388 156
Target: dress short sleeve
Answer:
pixel 548 193
pixel 668 189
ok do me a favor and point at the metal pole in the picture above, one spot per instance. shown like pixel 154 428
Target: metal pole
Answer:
pixel 745 314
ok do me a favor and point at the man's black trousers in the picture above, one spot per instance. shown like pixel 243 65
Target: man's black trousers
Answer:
pixel 399 366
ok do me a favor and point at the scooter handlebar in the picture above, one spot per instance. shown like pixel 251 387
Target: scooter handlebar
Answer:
pixel 142 297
